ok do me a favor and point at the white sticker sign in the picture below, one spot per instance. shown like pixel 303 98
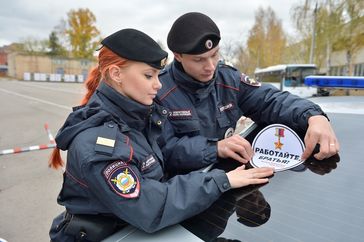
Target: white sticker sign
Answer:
pixel 277 146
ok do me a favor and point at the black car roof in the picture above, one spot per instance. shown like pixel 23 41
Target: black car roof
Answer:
pixel 316 201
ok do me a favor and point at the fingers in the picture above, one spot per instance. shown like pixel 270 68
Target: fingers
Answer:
pixel 327 150
pixel 242 167
pixel 235 147
pixel 240 177
pixel 231 154
pixel 261 172
pixel 320 132
pixel 309 149
pixel 329 146
pixel 259 181
pixel 242 147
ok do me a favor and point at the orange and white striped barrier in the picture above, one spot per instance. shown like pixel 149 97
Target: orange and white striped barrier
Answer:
pixel 50 136
pixel 33 147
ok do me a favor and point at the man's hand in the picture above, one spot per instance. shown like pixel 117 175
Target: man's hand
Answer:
pixel 320 132
pixel 235 147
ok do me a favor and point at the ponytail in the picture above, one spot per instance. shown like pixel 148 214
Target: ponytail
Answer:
pixel 91 84
pixel 106 59
pixel 55 161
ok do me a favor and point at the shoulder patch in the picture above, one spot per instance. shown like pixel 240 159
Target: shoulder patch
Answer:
pixel 249 81
pixel 105 141
pixel 122 179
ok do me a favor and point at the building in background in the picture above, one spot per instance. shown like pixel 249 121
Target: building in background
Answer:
pixel 47 68
pixel 4 60
pixel 339 66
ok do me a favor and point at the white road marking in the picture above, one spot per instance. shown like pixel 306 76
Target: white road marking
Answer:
pixel 53 88
pixel 36 99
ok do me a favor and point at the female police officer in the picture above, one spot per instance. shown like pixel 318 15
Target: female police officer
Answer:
pixel 206 99
pixel 114 168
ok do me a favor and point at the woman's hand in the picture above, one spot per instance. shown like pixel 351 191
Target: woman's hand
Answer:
pixel 241 177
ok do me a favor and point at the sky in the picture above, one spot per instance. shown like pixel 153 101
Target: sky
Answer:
pixel 22 19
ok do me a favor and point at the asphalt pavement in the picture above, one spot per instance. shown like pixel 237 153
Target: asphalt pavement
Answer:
pixel 28 188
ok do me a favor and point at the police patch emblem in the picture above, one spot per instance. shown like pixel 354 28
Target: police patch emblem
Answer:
pixel 250 81
pixel 122 180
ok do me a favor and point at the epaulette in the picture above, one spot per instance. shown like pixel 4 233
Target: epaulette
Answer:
pixel 78 107
pixel 105 142
pixel 162 72
pixel 224 65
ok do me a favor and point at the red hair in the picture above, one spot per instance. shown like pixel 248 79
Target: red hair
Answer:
pixel 107 58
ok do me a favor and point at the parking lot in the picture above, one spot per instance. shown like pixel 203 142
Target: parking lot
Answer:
pixel 28 188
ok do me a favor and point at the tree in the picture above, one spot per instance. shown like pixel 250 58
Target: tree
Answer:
pixel 33 46
pixel 243 62
pixel 275 39
pixel 82 33
pixel 351 38
pixel 267 40
pixel 255 42
pixel 328 24
pixel 55 48
pixel 338 26
pixel 228 51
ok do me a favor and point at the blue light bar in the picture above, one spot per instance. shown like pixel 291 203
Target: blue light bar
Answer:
pixel 335 81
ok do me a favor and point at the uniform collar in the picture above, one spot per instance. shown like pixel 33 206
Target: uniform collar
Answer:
pixel 188 83
pixel 133 113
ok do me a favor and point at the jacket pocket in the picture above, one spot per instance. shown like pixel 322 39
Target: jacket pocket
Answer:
pixel 223 121
pixel 190 127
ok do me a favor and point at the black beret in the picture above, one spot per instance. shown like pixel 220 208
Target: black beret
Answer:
pixel 135 45
pixel 193 33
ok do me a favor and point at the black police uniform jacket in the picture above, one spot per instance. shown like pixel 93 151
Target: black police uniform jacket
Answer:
pixel 203 113
pixel 115 167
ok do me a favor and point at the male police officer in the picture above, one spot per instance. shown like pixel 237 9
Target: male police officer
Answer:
pixel 206 99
